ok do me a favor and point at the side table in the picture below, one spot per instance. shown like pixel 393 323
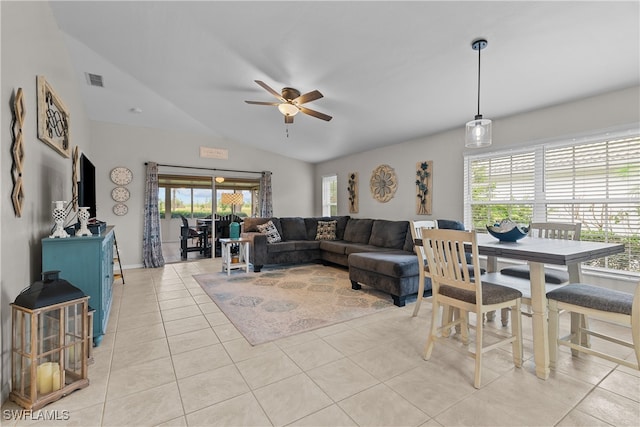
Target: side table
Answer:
pixel 243 254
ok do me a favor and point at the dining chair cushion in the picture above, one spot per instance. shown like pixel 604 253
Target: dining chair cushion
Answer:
pixel 594 297
pixel 555 277
pixel 491 294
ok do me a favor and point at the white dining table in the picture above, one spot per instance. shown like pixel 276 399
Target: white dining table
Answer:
pixel 538 252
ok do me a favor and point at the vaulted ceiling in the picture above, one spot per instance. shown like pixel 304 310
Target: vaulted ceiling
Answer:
pixel 390 71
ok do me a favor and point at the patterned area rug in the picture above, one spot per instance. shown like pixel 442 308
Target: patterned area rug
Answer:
pixel 283 301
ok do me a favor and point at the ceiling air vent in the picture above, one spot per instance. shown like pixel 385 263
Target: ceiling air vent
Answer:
pixel 94 80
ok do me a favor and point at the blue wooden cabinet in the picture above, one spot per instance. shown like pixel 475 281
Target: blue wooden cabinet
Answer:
pixel 87 263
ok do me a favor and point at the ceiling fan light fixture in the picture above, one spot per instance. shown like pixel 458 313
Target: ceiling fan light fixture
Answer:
pixel 288 109
pixel 478 131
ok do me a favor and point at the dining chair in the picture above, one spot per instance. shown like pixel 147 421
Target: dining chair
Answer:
pixel 416 235
pixel 545 230
pixel 454 286
pixel 187 232
pixel 599 303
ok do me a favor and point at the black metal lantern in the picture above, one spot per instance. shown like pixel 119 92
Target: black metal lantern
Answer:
pixel 50 342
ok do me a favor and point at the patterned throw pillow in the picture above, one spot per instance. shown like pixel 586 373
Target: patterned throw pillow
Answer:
pixel 271 231
pixel 326 230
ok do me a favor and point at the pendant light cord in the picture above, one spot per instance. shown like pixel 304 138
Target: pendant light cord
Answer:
pixel 479 50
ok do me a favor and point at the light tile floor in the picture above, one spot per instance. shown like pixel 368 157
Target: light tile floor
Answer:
pixel 171 358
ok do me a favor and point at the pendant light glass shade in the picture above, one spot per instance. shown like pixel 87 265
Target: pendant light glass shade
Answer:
pixel 478 133
pixel 478 130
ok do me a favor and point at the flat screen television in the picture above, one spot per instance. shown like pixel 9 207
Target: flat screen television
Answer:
pixel 87 186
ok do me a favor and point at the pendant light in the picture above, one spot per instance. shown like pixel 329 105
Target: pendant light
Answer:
pixel 478 130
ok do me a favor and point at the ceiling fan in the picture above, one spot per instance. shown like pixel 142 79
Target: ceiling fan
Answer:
pixel 291 102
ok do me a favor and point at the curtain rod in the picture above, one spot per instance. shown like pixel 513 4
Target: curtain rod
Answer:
pixel 208 169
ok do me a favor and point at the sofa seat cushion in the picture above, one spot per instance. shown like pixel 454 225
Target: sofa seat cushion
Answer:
pixel 352 248
pixel 281 247
pixel 388 264
pixel 388 234
pixel 304 245
pixel 333 246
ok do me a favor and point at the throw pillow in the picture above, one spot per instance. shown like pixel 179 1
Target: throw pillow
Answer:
pixel 271 231
pixel 326 230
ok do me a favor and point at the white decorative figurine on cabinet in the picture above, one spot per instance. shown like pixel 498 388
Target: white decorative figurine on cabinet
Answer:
pixel 59 215
pixel 83 216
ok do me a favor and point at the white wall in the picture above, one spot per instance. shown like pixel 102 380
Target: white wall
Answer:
pixel 118 145
pixel 31 45
pixel 446 150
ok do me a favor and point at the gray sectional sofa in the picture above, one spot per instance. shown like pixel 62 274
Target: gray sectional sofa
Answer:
pixel 379 253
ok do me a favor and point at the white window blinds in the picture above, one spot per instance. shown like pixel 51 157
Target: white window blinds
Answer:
pixel 596 183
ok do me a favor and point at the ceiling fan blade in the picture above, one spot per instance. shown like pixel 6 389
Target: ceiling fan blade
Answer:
pixel 307 97
pixel 315 113
pixel 288 119
pixel 262 103
pixel 268 89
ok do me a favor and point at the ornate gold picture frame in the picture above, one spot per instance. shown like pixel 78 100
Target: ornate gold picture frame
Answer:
pixel 53 118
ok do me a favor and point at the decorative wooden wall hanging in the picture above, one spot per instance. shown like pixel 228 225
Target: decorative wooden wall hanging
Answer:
pixel 383 183
pixel 53 118
pixel 75 158
pixel 424 186
pixel 17 151
pixel 353 192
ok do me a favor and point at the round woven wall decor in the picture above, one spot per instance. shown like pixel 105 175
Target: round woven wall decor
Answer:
pixel 383 183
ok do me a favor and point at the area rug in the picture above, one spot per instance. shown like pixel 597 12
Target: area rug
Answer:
pixel 280 302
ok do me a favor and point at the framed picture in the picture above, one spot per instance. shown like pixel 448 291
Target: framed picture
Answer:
pixel 53 118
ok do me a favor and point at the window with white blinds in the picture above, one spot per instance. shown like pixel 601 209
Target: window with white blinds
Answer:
pixel 596 183
pixel 330 195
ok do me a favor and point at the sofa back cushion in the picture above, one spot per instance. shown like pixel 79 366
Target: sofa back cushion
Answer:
pixel 358 230
pixel 450 224
pixel 408 242
pixel 389 234
pixel 293 229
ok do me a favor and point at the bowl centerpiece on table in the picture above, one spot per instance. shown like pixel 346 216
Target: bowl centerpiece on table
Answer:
pixel 508 230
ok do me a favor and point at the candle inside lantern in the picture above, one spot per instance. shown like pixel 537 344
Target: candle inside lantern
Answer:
pixel 48 377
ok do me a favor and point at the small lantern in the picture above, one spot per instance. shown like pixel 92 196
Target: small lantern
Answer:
pixel 50 341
